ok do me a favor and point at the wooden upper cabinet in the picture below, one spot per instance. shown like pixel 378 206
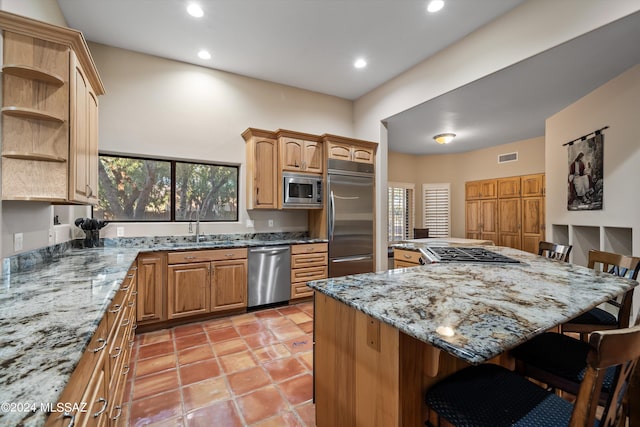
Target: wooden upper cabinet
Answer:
pixel 50 92
pixel 533 185
pixel 262 170
pixel 483 189
pixel 354 153
pixel 299 155
pixel 509 187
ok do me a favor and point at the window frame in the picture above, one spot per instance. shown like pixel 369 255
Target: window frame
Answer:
pixel 445 186
pixel 172 163
pixel 406 186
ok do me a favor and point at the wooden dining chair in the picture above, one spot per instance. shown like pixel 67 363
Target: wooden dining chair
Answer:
pixel 420 233
pixel 490 395
pixel 554 251
pixel 598 318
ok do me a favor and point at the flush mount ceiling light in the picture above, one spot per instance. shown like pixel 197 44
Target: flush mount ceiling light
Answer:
pixel 435 5
pixel 195 10
pixel 203 54
pixel 444 138
pixel 360 63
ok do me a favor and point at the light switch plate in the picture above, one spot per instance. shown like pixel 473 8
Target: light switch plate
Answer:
pixel 270 223
pixel 17 241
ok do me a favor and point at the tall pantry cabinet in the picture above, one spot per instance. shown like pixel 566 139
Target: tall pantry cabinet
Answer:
pixel 508 211
pixel 50 89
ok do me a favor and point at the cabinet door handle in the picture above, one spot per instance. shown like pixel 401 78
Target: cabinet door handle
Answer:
pixel 115 356
pixel 104 344
pixel 119 408
pixel 68 415
pixel 116 308
pixel 105 403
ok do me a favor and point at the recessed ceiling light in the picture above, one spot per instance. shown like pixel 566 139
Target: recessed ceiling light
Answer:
pixel 360 63
pixel 435 5
pixel 195 10
pixel 444 138
pixel 203 54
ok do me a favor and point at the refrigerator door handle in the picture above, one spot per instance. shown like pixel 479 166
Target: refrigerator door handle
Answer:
pixel 332 215
pixel 353 258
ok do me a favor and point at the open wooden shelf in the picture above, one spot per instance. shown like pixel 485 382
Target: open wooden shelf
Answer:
pixel 30 113
pixel 34 73
pixel 34 156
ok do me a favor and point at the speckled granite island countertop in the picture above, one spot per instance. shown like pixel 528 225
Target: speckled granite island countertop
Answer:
pixel 476 311
pixel 50 311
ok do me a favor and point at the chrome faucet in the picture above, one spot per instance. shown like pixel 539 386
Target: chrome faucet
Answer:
pixel 197 224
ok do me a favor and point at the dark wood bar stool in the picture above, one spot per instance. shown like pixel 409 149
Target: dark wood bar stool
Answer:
pixel 554 251
pixel 597 318
pixel 490 395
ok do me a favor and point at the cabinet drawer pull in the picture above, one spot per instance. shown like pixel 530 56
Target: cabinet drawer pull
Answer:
pixel 131 343
pixel 190 257
pixel 407 256
pixel 115 356
pixel 132 303
pixel 134 268
pixel 119 408
pixel 125 322
pixel 316 259
pixel 105 403
pixel 130 276
pixel 104 344
pixel 125 289
pixel 68 415
pixel 134 293
pixel 116 309
pixel 228 255
pixel 135 326
pixel 126 369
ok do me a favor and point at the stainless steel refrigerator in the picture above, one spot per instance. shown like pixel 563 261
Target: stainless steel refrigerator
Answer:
pixel 350 217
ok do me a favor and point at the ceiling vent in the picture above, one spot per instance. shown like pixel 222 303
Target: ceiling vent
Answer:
pixel 508 157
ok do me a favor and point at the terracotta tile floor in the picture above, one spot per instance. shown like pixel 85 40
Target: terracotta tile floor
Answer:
pixel 252 369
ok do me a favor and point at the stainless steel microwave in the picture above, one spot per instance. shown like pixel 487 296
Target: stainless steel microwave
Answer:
pixel 301 190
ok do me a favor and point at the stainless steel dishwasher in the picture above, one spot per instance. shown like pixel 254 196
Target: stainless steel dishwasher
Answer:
pixel 269 275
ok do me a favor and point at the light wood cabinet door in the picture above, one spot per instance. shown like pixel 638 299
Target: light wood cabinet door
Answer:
pixel 228 285
pixel 489 220
pixel 533 185
pixel 533 227
pixel 83 148
pixel 313 157
pixel 265 176
pixel 472 190
pixel 488 189
pixel 509 227
pixel 188 289
pixel 339 151
pixel 291 154
pixel 472 219
pixel 150 302
pixel 509 187
pixel 362 155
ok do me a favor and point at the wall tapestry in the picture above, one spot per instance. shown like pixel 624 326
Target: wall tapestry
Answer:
pixel 585 177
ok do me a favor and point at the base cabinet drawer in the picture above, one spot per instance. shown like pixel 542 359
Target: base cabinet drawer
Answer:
pixel 407 257
pixel 307 274
pixel 300 290
pixel 308 262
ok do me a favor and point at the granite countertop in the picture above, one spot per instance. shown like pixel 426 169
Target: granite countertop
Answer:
pixel 50 311
pixel 477 311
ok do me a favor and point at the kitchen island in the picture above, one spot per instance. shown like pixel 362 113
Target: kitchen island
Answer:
pixel 383 338
pixel 51 304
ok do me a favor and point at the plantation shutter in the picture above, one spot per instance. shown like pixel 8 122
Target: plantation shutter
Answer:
pixel 436 209
pixel 400 211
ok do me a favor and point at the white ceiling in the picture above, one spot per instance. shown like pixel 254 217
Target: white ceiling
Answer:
pixel 310 44
pixel 513 104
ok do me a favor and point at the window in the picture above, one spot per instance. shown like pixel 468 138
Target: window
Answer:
pixel 144 189
pixel 400 214
pixel 436 209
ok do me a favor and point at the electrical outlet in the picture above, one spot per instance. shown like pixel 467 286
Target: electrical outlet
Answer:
pixel 119 231
pixel 17 241
pixel 270 223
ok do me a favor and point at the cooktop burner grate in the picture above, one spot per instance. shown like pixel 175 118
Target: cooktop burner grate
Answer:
pixel 469 254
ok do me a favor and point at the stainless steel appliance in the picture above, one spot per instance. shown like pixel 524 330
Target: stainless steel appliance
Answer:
pixel 350 217
pixel 433 254
pixel 269 275
pixel 301 190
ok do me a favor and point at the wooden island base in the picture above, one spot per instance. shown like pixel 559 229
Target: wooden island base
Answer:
pixel 368 373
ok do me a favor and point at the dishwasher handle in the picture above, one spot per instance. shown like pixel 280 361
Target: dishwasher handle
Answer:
pixel 269 250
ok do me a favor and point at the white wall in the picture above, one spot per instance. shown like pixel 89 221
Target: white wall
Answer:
pixel 42 10
pixel 160 107
pixel 616 227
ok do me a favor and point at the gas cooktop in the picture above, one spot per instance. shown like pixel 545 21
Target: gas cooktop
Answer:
pixel 464 254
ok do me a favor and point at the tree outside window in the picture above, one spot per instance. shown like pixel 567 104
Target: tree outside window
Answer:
pixel 136 189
